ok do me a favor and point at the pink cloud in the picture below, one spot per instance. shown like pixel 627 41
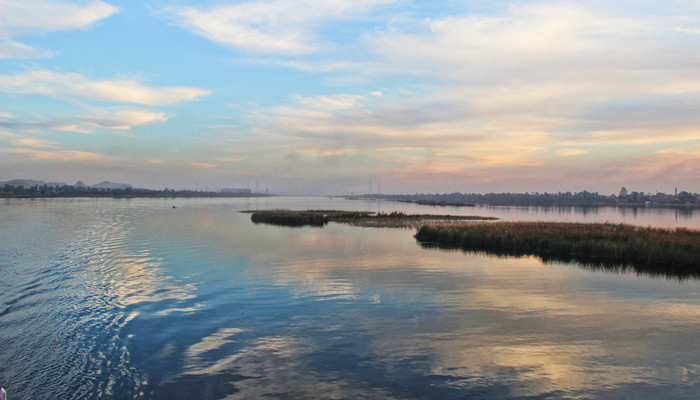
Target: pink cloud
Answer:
pixel 201 165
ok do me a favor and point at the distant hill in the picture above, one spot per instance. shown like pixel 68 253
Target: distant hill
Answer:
pixel 56 184
pixel 111 185
pixel 27 183
pixel 30 182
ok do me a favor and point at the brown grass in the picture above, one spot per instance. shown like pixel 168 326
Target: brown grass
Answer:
pixel 651 250
pixel 357 218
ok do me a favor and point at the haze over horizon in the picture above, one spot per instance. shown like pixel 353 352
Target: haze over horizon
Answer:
pixel 320 97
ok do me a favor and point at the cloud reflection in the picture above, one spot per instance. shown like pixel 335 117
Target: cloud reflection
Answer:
pixel 392 311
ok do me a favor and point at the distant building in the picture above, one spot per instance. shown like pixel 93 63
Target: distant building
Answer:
pixel 235 190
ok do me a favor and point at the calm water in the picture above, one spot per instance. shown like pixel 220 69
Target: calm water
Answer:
pixel 135 299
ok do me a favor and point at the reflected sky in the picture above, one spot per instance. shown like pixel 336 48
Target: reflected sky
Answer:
pixel 198 301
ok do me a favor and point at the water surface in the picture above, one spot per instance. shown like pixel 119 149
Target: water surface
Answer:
pixel 135 299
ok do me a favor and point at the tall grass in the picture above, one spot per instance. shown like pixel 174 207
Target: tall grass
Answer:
pixel 650 250
pixel 289 218
pixel 359 218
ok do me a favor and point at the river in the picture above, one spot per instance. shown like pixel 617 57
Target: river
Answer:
pixel 187 298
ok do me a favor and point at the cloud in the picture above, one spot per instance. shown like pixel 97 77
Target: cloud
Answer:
pixel 31 142
pixel 680 161
pixel 230 159
pixel 56 84
pixel 201 165
pixel 445 138
pixel 41 16
pixel 116 120
pixel 50 16
pixel 276 26
pixel 570 152
pixel 392 133
pixel 59 155
pixel 12 49
pixel 567 47
pixel 121 120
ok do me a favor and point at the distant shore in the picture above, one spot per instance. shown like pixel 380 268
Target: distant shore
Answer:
pixel 528 204
pixel 119 194
pixel 682 199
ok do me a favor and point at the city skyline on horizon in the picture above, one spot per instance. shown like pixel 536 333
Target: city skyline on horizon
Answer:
pixel 467 96
pixel 256 188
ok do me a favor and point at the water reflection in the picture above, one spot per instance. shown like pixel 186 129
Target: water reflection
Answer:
pixel 669 269
pixel 199 302
pixel 644 216
pixel 453 322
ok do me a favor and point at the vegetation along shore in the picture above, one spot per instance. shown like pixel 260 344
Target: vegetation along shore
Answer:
pixel 357 218
pixel 673 252
pixel 655 251
pixel 593 199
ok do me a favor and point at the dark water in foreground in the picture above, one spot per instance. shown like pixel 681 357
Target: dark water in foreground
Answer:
pixel 134 299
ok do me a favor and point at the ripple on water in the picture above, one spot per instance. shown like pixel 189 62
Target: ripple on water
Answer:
pixel 59 328
pixel 135 300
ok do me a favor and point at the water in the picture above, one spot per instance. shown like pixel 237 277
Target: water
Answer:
pixel 135 299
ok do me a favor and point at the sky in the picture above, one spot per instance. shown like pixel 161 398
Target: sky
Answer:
pixel 326 96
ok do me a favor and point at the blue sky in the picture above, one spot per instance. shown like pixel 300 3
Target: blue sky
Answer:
pixel 323 96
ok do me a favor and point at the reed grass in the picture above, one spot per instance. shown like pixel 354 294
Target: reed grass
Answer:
pixel 289 218
pixel 650 250
pixel 357 218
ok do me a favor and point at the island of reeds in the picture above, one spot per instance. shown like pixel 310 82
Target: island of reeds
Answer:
pixel 357 218
pixel 671 252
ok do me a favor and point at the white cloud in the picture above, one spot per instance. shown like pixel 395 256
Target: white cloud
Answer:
pixel 42 16
pixel 125 119
pixel 31 142
pixel 58 155
pixel 120 120
pixel 68 84
pixel 12 49
pixel 564 44
pixel 576 74
pixel 275 26
pixel 331 103
pixel 50 16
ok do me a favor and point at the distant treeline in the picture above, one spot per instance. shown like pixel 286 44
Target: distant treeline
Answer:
pixel 583 198
pixel 45 191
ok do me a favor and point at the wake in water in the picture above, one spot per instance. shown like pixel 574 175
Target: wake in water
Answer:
pixel 60 322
